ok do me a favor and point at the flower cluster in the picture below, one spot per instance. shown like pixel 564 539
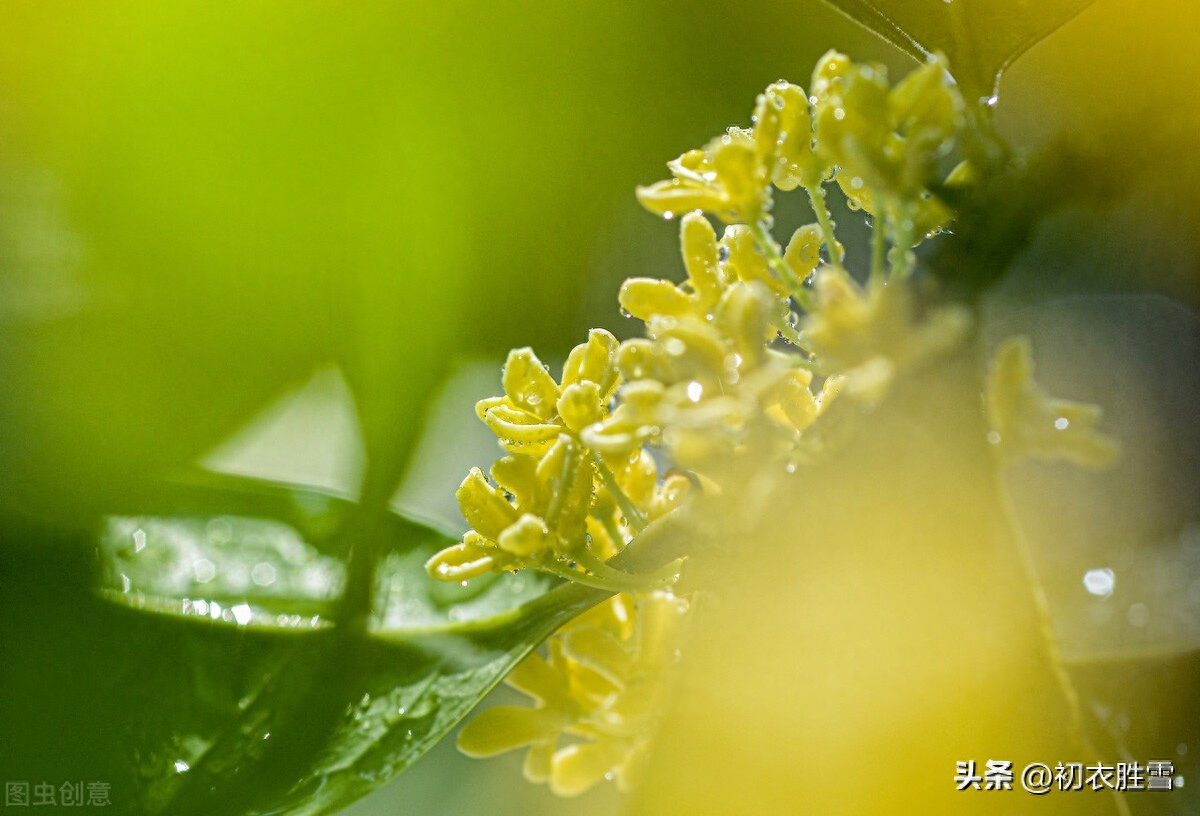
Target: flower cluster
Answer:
pixel 741 365
pixel 553 503
pixel 1027 422
pixel 602 684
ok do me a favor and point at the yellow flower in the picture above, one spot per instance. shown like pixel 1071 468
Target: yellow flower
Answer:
pixel 871 335
pixel 728 178
pixel 645 298
pixel 889 143
pixel 1025 421
pixel 544 520
pixel 603 683
pixel 535 410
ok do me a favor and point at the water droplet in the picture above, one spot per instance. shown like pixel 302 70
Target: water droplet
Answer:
pixel 989 101
pixel 856 183
pixel 181 766
pixel 263 574
pixel 204 570
pixel 242 613
pixel 1100 582
pixel 1062 423
pixel 668 215
pixel 791 467
pixel 695 391
pixel 675 347
pixel 722 253
pixel 139 540
pixel 625 313
pixel 839 114
pixel 993 438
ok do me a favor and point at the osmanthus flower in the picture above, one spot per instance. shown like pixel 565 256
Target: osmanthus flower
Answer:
pixel 889 144
pixel 552 503
pixel 596 696
pixel 1026 421
pixel 727 177
pixel 735 375
pixel 871 335
pixel 731 176
pixel 637 482
pixel 534 410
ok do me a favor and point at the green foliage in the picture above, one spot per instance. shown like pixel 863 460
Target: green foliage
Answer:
pixel 226 679
pixel 980 37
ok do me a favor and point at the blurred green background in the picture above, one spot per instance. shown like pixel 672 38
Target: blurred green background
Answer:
pixel 203 205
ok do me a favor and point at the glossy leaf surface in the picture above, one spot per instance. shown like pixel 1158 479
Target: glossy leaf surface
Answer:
pixel 980 37
pixel 221 674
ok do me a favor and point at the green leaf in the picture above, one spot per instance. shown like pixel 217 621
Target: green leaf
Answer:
pixel 227 680
pixel 980 37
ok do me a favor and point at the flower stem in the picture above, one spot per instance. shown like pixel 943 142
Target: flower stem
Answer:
pixel 600 575
pixel 1058 666
pixel 816 195
pixel 901 253
pixel 636 519
pixel 879 244
pixel 775 259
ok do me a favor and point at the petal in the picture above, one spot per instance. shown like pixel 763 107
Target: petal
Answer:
pixel 505 728
pixel 537 678
pixel 746 261
pixel 460 562
pixel 646 297
pixel 642 359
pixel 670 495
pixel 638 479
pixel 768 122
pixel 519 427
pixel 698 243
pixel 538 760
pixel 594 361
pixel 527 536
pixel 484 405
pixel 483 506
pixel 528 385
pixel 575 768
pixel 667 198
pixel 739 170
pixel 744 315
pixel 660 617
pixel 580 405
pixel 804 250
pixel 599 651
pixel 517 473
